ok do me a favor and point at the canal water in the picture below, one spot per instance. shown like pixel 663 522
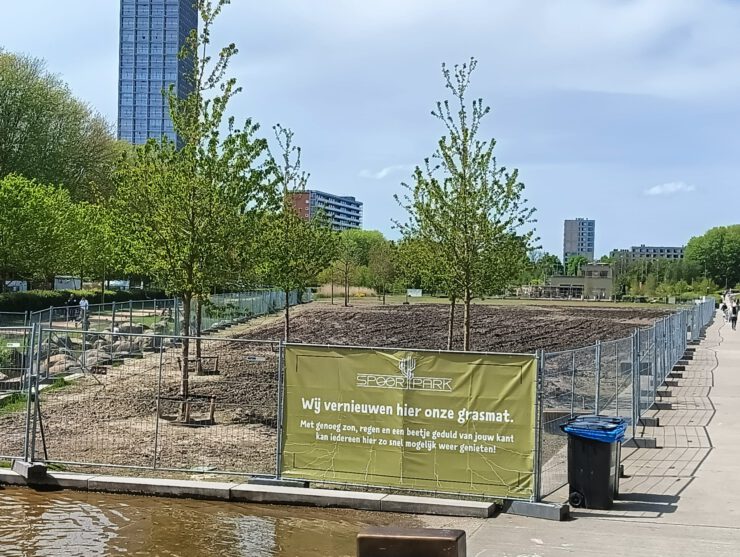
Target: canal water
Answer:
pixel 69 523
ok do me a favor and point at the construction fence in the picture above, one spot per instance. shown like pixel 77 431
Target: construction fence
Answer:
pixel 162 316
pixel 87 399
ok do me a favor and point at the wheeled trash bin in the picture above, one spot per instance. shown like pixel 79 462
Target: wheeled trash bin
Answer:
pixel 594 450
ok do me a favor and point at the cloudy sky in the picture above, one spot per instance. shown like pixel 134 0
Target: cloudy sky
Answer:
pixel 624 111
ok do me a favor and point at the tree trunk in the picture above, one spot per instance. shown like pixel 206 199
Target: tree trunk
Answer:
pixel 346 286
pixel 383 295
pixel 286 332
pixel 198 332
pixel 466 322
pixel 451 323
pixel 185 356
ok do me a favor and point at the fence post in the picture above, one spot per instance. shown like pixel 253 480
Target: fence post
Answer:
pixel 51 316
pixel 159 395
pixel 280 401
pixel 573 383
pixel 175 313
pixel 27 385
pixel 130 315
pixel 539 425
pixel 616 378
pixel 33 401
pixel 636 387
pixel 113 325
pixel 597 372
pixel 84 350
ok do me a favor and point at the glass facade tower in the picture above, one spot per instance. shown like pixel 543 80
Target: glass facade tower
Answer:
pixel 151 36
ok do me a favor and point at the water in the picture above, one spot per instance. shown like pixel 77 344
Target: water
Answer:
pixel 67 523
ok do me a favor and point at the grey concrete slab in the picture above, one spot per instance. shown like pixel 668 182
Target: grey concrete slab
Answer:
pixel 306 496
pixel 65 480
pixel 8 477
pixel 162 487
pixel 33 472
pixel 547 511
pixel 427 505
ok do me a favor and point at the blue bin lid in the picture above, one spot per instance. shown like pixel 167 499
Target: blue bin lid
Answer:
pixel 600 428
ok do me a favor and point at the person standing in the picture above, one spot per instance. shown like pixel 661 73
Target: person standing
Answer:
pixel 84 307
pixel 733 315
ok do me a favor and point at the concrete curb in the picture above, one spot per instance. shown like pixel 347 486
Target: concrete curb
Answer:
pixel 280 495
pixel 548 511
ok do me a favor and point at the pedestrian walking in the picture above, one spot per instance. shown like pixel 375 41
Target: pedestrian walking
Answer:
pixel 733 315
pixel 723 307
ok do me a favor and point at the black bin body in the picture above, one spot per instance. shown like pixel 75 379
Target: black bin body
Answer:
pixel 593 472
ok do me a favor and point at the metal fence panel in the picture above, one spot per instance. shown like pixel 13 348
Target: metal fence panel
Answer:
pixel 15 361
pixel 616 378
pixel 115 399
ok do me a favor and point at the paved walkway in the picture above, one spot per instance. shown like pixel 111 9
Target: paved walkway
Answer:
pixel 680 499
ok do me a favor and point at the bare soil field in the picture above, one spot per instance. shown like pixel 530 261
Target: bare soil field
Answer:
pixel 111 417
pixel 513 329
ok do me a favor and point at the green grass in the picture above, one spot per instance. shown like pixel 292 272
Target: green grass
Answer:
pixel 6 464
pixel 13 404
pixel 59 383
pixel 17 402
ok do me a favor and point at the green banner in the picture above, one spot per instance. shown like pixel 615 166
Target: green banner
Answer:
pixel 441 421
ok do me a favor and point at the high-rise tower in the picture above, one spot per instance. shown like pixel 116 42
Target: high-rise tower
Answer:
pixel 152 34
pixel 578 239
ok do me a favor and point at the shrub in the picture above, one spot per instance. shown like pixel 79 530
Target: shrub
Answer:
pixel 38 300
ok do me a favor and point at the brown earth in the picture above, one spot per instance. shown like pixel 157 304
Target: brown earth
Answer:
pixel 513 329
pixel 111 417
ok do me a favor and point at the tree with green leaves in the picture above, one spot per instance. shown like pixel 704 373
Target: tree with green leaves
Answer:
pixel 34 229
pixel 461 200
pixel 716 254
pixel 382 266
pixel 194 208
pixel 93 243
pixel 547 265
pixel 48 135
pixel 295 249
pixel 348 258
pixel 575 263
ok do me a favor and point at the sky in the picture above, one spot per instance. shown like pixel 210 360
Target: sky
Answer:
pixel 623 111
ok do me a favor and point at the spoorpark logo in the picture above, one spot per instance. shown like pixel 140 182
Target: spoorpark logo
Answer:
pixel 407 380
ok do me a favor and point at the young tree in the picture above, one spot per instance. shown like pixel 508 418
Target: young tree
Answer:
pixel 382 266
pixel 296 249
pixel 348 255
pixel 194 206
pixel 461 200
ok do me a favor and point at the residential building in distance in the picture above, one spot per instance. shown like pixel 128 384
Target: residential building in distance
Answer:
pixel 579 239
pixel 594 282
pixel 152 33
pixel 344 212
pixel 648 252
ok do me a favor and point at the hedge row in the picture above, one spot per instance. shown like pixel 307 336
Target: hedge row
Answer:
pixel 37 300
